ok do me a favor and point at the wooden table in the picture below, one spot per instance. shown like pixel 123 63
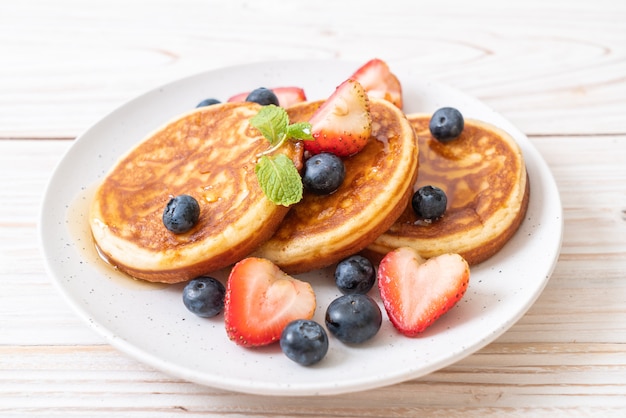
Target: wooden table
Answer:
pixel 556 69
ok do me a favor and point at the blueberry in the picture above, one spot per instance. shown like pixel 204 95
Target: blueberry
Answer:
pixel 181 214
pixel 355 274
pixel 429 202
pixel 323 173
pixel 262 96
pixel 208 102
pixel 446 124
pixel 204 296
pixel 304 341
pixel 353 319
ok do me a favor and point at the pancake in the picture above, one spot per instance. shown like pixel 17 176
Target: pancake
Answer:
pixel 484 177
pixel 321 230
pixel 210 154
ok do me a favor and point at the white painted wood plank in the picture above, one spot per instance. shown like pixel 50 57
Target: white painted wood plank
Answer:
pixel 549 66
pixel 535 380
pixel 555 69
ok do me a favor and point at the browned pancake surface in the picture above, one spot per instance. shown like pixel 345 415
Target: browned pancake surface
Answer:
pixel 483 175
pixel 323 229
pixel 209 154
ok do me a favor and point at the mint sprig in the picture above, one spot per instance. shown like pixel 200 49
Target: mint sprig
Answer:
pixel 277 175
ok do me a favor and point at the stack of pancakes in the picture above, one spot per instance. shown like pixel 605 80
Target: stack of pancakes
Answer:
pixel 210 154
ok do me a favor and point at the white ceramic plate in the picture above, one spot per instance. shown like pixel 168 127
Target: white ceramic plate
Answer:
pixel 150 323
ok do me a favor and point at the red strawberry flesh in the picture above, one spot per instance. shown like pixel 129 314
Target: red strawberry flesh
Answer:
pixel 342 124
pixel 415 292
pixel 378 81
pixel 261 300
pixel 287 96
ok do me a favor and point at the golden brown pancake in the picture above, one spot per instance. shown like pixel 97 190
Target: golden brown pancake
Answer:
pixel 210 154
pixel 484 177
pixel 321 230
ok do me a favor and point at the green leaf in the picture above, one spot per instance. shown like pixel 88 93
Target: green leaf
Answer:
pixel 300 130
pixel 277 175
pixel 273 123
pixel 279 179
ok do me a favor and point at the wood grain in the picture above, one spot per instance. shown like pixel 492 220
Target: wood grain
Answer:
pixel 551 68
pixel 556 69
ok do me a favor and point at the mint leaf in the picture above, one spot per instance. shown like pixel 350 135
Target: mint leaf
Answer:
pixel 279 179
pixel 300 130
pixel 272 121
pixel 277 175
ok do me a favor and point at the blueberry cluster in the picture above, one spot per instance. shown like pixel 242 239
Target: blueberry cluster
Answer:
pixel 352 318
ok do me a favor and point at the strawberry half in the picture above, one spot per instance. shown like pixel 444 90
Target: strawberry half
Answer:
pixel 287 96
pixel 415 292
pixel 261 300
pixel 378 81
pixel 342 124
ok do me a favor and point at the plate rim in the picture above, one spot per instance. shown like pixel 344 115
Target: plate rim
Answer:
pixel 279 389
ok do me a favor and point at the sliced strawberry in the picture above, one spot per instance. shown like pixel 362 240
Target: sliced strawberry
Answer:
pixel 415 292
pixel 342 124
pixel 287 96
pixel 378 81
pixel 261 300
pixel 239 97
